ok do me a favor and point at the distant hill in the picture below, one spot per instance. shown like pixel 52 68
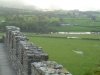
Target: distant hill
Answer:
pixel 16 4
pixel 10 3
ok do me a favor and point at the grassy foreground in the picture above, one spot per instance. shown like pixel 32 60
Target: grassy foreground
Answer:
pixel 62 51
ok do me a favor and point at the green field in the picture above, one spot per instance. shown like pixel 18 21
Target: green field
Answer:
pixel 75 28
pixel 1 18
pixel 83 24
pixel 62 50
pixel 92 36
pixel 97 15
pixel 1 34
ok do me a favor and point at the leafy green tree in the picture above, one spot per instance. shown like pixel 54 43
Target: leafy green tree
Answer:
pixel 61 19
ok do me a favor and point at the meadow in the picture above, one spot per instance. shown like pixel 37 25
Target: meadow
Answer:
pixel 83 24
pixel 1 34
pixel 91 36
pixel 75 28
pixel 1 18
pixel 65 51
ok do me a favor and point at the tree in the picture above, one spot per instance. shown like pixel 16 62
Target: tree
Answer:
pixel 93 18
pixel 61 19
pixel 55 23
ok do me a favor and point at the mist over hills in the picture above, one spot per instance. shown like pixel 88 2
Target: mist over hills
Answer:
pixel 11 3
pixel 22 4
pixel 16 4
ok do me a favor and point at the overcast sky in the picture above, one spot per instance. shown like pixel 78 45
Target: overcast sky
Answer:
pixel 64 4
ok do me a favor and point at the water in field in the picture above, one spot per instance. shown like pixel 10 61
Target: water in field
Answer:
pixel 73 32
pixel 72 37
pixel 77 32
pixel 78 52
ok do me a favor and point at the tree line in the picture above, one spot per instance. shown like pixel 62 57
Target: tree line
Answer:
pixel 30 23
